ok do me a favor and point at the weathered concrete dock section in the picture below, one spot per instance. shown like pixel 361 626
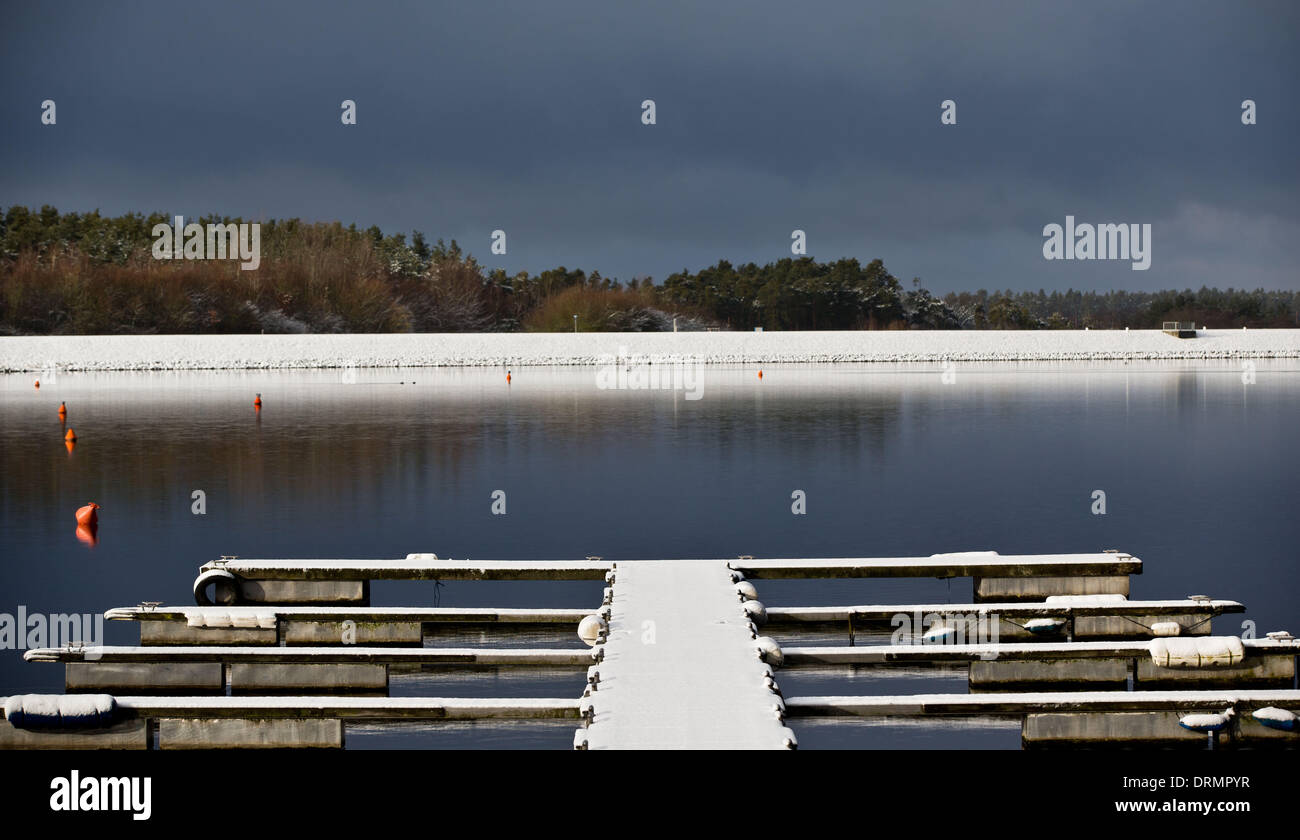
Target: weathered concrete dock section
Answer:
pixel 287 653
pixel 681 666
pixel 995 576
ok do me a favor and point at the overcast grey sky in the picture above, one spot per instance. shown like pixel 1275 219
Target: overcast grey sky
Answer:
pixel 770 117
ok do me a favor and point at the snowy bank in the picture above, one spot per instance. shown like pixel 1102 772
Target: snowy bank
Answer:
pixel 234 352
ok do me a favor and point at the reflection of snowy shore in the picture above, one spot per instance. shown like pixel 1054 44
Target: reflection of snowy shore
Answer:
pixel 207 352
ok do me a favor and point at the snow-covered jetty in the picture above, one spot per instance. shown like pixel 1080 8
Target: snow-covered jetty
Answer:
pixel 679 654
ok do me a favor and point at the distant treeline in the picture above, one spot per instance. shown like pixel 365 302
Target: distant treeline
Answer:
pixel 83 273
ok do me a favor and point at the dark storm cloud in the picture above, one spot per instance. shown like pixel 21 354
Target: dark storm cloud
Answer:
pixel 772 116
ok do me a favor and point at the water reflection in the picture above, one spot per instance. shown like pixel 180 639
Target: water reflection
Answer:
pixel 1199 471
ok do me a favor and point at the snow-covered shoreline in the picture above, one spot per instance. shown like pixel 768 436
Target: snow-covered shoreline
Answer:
pixel 252 352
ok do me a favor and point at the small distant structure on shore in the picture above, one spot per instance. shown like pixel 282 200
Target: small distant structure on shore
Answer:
pixel 1180 329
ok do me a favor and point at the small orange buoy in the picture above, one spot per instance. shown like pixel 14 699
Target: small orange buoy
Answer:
pixel 507 377
pixel 257 403
pixel 71 435
pixel 38 383
pixel 63 409
pixel 760 374
pixel 88 515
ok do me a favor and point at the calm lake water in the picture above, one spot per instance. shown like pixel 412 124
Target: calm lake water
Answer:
pixel 1199 472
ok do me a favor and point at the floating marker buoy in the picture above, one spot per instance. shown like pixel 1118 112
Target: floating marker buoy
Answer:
pixel 38 383
pixel 257 403
pixel 70 435
pixel 63 410
pixel 760 373
pixel 507 377
pixel 88 515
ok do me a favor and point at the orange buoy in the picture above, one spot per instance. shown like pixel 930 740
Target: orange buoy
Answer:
pixel 88 515
pixel 38 383
pixel 507 377
pixel 760 373
pixel 63 409
pixel 257 403
pixel 71 435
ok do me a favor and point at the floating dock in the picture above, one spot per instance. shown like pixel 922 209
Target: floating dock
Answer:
pixel 681 668
pixel 286 653
pixel 1024 577
pixel 1084 617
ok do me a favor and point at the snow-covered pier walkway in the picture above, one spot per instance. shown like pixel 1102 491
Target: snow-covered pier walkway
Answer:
pixel 681 667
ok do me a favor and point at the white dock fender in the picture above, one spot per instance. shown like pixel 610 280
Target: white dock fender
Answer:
pixel 222 579
pixel 938 634
pixel 60 711
pixel 769 651
pixel 580 739
pixel 1275 718
pixel 1085 600
pixel 756 611
pixel 1045 626
pixel 1166 628
pixel 746 591
pixel 243 618
pixel 590 628
pixel 1211 722
pixel 1199 652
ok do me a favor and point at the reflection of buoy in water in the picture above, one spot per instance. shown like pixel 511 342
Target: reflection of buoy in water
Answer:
pixel 63 410
pixel 71 444
pixel 257 403
pixel 89 534
pixel 70 435
pixel 88 515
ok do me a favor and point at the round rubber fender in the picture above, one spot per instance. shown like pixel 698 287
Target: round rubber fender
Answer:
pixel 227 587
